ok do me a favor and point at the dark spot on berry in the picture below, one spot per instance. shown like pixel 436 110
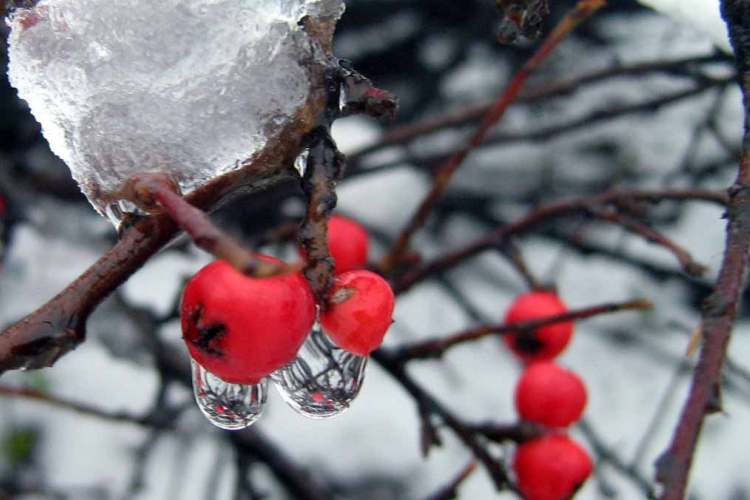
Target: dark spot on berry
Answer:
pixel 528 342
pixel 205 337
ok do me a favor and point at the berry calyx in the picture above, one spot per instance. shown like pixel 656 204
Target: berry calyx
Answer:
pixel 552 467
pixel 241 328
pixel 545 342
pixel 360 312
pixel 549 395
pixel 348 242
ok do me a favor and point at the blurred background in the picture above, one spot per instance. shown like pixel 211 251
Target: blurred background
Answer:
pixel 631 100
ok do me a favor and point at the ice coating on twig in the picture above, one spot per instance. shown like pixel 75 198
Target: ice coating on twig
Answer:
pixel 187 87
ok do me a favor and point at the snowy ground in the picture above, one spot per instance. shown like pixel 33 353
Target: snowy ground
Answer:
pixel 379 436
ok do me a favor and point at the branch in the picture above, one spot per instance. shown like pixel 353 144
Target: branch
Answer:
pixel 406 133
pixel 581 12
pixel 450 491
pixel 86 409
pixel 720 308
pixel 435 348
pixel 543 215
pixel 426 402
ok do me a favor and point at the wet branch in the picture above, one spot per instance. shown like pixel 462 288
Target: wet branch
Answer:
pixel 581 12
pixel 720 308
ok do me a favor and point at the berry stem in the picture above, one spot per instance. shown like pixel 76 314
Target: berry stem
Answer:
pixel 206 235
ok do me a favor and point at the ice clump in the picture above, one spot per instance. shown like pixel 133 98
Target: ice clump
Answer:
pixel 187 87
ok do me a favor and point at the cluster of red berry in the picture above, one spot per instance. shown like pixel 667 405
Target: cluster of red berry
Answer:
pixel 242 329
pixel 551 467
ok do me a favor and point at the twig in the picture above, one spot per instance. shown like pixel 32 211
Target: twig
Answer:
pixel 406 133
pixel 614 460
pixel 581 12
pixel 516 433
pixel 83 408
pixel 544 215
pixel 324 169
pixel 575 124
pixel 652 235
pixel 206 235
pixel 435 348
pixel 426 401
pixel 720 308
pixel 450 491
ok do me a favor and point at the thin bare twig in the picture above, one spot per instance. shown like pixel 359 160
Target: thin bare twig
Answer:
pixel 406 133
pixel 581 12
pixel 450 491
pixel 82 408
pixel 435 348
pixel 544 215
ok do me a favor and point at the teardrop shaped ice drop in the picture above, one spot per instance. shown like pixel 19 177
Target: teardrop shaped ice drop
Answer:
pixel 228 406
pixel 323 380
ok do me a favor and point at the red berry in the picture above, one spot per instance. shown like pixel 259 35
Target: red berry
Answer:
pixel 348 242
pixel 552 467
pixel 361 312
pixel 241 328
pixel 543 343
pixel 549 395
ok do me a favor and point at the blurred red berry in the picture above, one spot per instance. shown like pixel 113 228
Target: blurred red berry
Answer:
pixel 552 467
pixel 241 328
pixel 348 242
pixel 361 312
pixel 543 343
pixel 550 395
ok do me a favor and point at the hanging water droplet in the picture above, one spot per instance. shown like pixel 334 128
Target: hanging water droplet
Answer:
pixel 300 163
pixel 323 379
pixel 228 406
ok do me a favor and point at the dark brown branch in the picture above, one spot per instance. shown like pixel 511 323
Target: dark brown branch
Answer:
pixel 575 124
pixel 83 408
pixel 607 455
pixel 406 133
pixel 720 308
pixel 426 402
pixel 543 215
pixel 515 433
pixel 324 168
pixel 435 348
pixel 581 12
pixel 652 235
pixel 450 491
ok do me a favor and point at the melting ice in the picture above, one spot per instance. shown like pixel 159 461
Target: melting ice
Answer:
pixel 188 87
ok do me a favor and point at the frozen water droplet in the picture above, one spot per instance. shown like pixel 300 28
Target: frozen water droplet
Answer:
pixel 300 163
pixel 323 379
pixel 228 406
pixel 117 211
pixel 343 98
